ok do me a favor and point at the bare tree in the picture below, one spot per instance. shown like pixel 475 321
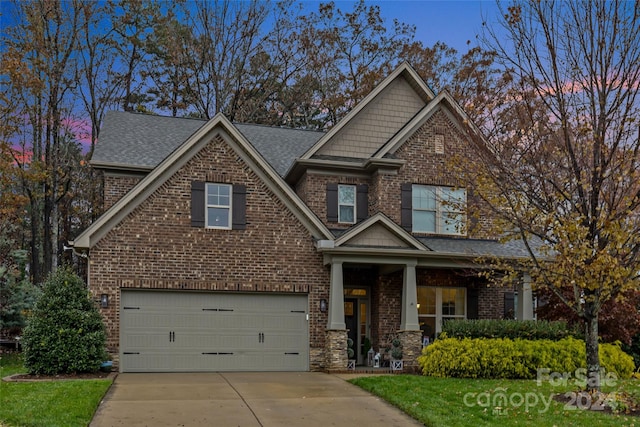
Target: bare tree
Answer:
pixel 562 170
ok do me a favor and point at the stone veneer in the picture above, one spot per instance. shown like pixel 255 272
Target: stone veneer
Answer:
pixel 411 348
pixel 336 350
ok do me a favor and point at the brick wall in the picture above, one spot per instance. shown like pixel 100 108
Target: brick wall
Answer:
pixel 491 302
pixel 116 186
pixel 312 189
pixel 386 308
pixel 156 247
pixel 423 166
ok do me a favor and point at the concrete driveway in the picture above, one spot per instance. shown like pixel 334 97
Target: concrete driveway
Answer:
pixel 243 399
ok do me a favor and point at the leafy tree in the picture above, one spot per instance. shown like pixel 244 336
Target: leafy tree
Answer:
pixel 65 333
pixel 17 294
pixel 38 65
pixel 561 173
pixel 472 78
pixel 619 319
pixel 349 53
pixel 170 65
pixel 131 23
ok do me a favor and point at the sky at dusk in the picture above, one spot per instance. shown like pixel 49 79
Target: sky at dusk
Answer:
pixel 453 22
pixel 457 23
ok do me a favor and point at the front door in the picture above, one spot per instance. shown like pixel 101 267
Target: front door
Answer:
pixel 356 319
pixel 351 321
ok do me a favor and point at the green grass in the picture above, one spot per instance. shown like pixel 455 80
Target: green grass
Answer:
pixel 55 403
pixel 441 401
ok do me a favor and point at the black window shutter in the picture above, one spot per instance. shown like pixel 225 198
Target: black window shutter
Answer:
pixel 197 204
pixel 509 305
pixel 472 303
pixel 362 202
pixel 239 213
pixel 332 202
pixel 406 206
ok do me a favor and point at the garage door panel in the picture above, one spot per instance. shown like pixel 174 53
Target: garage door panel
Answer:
pixel 135 341
pixel 147 362
pixel 213 332
pixel 148 318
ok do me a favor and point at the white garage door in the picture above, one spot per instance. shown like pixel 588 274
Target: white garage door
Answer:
pixel 180 332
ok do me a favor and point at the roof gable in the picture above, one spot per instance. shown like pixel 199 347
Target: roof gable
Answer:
pixel 444 101
pixel 219 125
pixel 379 231
pixel 377 117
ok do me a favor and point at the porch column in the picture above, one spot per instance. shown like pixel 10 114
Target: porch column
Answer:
pixel 336 298
pixel 525 299
pixel 409 317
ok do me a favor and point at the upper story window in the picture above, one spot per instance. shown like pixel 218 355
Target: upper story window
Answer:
pixel 347 204
pixel 433 209
pixel 218 205
pixel 438 210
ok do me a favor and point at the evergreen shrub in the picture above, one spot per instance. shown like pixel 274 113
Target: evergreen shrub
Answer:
pixel 490 328
pixel 65 333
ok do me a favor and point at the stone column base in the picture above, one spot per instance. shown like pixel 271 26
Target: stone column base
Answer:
pixel 336 350
pixel 411 349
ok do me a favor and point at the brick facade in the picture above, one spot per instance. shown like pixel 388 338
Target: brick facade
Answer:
pixel 116 186
pixel 156 247
pixel 422 166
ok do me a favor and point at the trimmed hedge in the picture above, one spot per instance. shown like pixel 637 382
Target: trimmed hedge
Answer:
pixel 515 359
pixel 513 329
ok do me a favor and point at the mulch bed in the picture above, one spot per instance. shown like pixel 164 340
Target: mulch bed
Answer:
pixel 610 403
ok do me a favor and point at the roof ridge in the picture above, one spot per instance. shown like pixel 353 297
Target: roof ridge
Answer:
pixel 277 127
pixel 140 113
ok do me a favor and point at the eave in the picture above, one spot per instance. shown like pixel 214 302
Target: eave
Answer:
pixel 121 167
pixel 364 167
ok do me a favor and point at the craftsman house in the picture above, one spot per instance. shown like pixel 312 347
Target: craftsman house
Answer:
pixel 243 247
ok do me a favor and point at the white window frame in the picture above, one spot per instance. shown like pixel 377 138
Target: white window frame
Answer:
pixel 207 206
pixel 439 316
pixel 441 210
pixel 355 196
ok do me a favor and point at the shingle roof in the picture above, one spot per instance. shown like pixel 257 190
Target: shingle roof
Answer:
pixel 279 146
pixel 477 247
pixel 143 140
pixel 140 140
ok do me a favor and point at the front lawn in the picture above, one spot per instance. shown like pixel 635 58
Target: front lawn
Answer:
pixel 455 402
pixel 55 403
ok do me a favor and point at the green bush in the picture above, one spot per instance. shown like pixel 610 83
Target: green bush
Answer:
pixel 515 359
pixel 17 294
pixel 65 333
pixel 489 328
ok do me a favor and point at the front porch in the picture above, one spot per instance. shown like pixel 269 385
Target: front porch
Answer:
pixel 371 303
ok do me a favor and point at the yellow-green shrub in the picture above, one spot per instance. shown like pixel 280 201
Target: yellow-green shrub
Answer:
pixel 506 358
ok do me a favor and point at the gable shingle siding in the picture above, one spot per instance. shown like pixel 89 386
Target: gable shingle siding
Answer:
pixel 376 123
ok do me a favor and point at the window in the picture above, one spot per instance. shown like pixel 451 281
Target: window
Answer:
pixel 438 210
pixel 218 206
pixel 347 204
pixel 438 305
pixel 218 209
